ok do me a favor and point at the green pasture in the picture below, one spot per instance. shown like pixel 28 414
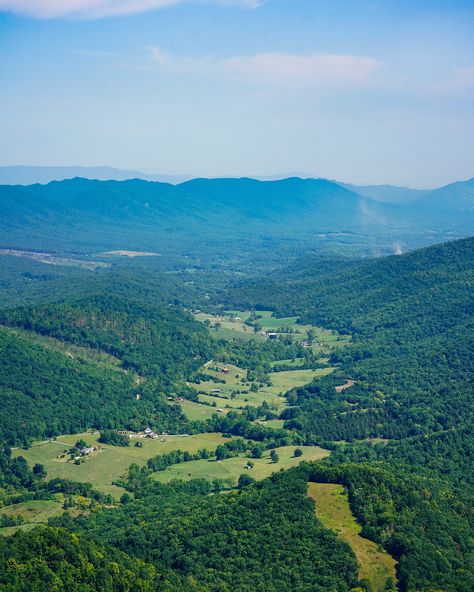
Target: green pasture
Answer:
pixel 332 508
pixel 232 468
pixel 108 464
pixel 231 325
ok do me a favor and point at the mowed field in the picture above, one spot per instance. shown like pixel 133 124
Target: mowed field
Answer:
pixel 33 512
pixel 232 468
pixel 235 392
pixel 231 325
pixel 110 463
pixel 332 508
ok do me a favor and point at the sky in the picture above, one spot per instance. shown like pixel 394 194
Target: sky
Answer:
pixel 363 91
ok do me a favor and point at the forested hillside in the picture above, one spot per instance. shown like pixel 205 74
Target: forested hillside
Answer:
pixel 46 392
pixel 411 318
pixel 232 215
pixel 162 341
pixel 50 389
pixel 114 348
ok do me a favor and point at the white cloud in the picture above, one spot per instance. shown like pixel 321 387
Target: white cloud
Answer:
pixel 316 70
pixel 91 9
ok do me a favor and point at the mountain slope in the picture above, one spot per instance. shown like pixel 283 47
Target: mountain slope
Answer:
pixel 85 215
pixel 412 320
pixel 454 197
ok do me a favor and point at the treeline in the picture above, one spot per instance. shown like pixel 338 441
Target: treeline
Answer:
pixel 46 393
pixel 447 455
pixel 160 341
pixel 264 538
pixel 425 525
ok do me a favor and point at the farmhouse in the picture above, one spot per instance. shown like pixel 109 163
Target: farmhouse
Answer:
pixel 272 335
pixel 225 370
pixel 149 433
pixel 85 451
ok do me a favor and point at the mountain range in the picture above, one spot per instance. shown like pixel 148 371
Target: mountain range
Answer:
pixel 84 214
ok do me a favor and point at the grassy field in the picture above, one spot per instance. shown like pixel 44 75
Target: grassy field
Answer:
pixel 33 512
pixel 108 464
pixel 284 381
pixel 236 380
pixel 332 508
pixel 198 412
pixel 232 468
pixel 231 325
pixel 232 390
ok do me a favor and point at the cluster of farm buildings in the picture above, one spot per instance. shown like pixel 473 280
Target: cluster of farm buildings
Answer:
pixel 147 433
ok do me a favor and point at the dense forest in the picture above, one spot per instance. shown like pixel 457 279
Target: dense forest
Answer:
pixel 411 318
pixel 115 351
pixel 265 537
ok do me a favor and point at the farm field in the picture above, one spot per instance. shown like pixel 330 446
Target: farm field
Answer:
pixel 232 468
pixel 33 512
pixel 332 508
pixel 231 325
pixel 236 380
pixel 195 411
pixel 108 464
pixel 284 381
pixel 225 394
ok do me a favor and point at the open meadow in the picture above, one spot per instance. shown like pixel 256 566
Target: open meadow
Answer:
pixel 109 463
pixel 232 325
pixel 232 468
pixel 233 391
pixel 332 508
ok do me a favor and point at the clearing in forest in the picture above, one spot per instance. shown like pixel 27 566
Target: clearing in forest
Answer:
pixel 244 324
pixel 232 468
pixel 108 464
pixel 332 508
pixel 232 390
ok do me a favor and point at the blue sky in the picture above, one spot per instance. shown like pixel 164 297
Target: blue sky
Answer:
pixel 367 91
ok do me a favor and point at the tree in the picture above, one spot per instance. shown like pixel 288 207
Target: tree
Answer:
pixel 245 480
pixel 39 470
pixel 298 452
pixel 126 498
pixel 274 456
pixel 257 452
pixel 221 452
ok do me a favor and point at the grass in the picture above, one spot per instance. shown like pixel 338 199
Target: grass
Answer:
pixel 197 412
pixel 231 325
pixel 232 468
pixel 33 512
pixel 284 381
pixel 332 508
pixel 236 380
pixel 111 462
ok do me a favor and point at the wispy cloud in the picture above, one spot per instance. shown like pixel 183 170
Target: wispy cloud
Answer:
pixel 317 70
pixel 92 9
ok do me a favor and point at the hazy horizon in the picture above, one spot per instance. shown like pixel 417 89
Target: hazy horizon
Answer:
pixel 363 92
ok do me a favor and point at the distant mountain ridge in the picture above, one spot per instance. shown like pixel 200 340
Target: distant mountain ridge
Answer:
pixel 29 175
pixel 87 215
